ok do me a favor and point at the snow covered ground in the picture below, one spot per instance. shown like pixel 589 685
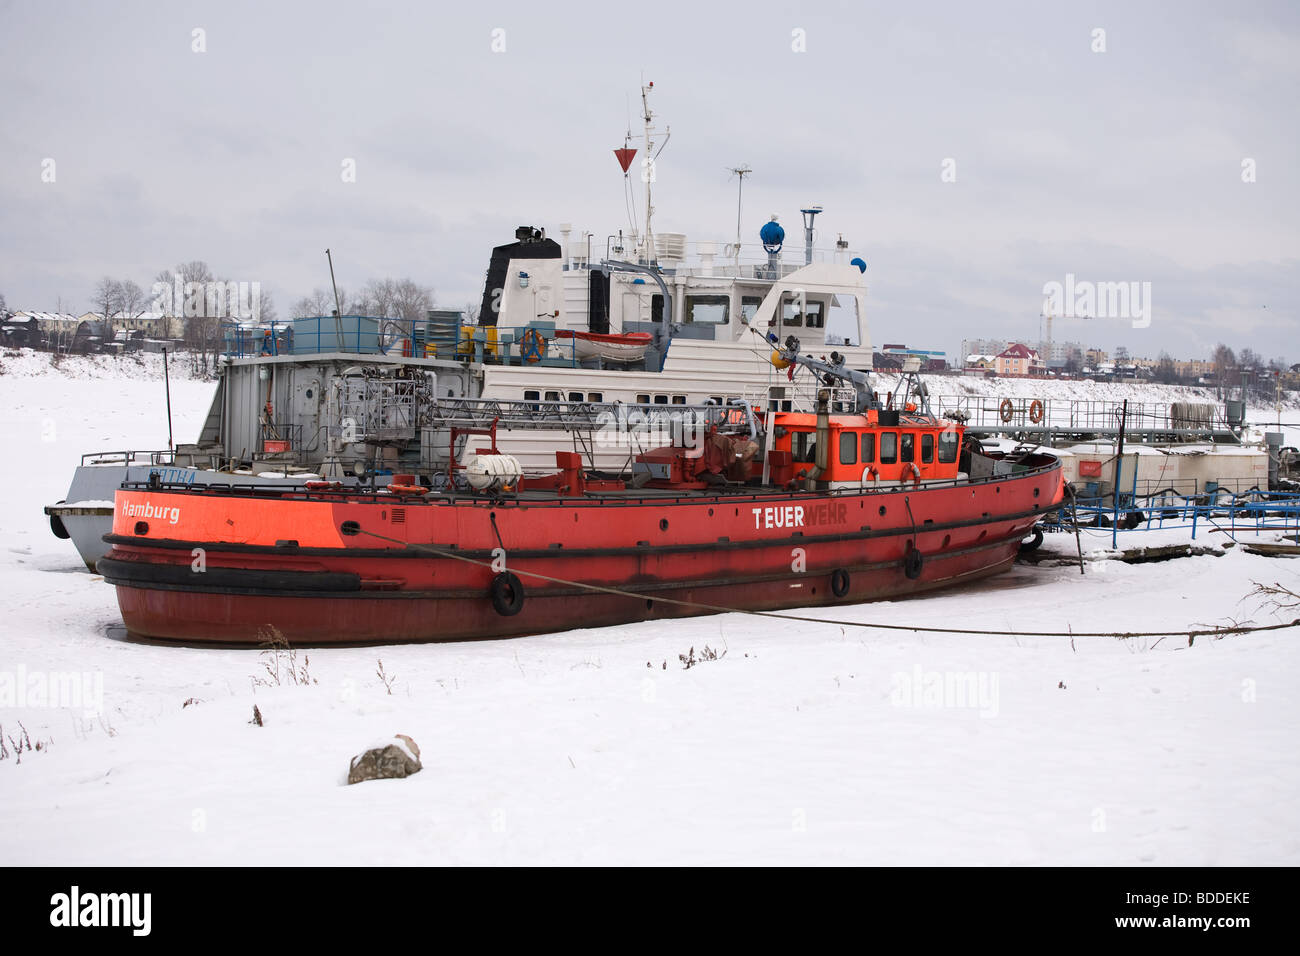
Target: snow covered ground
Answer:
pixel 805 743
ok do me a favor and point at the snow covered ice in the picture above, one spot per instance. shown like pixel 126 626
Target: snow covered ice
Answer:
pixel 803 743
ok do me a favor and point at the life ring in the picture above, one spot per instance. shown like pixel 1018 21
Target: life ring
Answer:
pixel 868 472
pixel 916 473
pixel 507 594
pixel 408 490
pixel 532 347
pixel 1006 409
pixel 839 582
pixel 1035 411
pixel 912 563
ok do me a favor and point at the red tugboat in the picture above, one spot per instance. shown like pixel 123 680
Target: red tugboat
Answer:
pixel 768 509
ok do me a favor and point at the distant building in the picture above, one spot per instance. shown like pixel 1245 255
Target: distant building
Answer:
pixel 931 360
pixel 1019 360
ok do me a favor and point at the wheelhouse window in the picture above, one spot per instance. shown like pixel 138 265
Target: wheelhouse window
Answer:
pixel 868 448
pixel 532 395
pixel 749 307
pixel 575 396
pixel 661 399
pixel 927 448
pixel 798 311
pixel 679 399
pixel 553 396
pixel 948 447
pixel 888 448
pixel 907 447
pixel 708 309
pixel 848 448
pixel 814 316
pixel 595 397
pixel 791 314
pixel 643 398
pixel 803 446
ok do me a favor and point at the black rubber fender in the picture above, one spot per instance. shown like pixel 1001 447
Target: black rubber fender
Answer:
pixel 839 582
pixel 507 593
pixel 56 525
pixel 1033 543
pixel 1134 520
pixel 912 563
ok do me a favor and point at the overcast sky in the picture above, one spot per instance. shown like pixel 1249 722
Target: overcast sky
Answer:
pixel 1122 165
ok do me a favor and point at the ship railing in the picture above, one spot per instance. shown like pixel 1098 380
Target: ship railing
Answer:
pixel 165 457
pixel 801 396
pixel 1008 413
pixel 568 416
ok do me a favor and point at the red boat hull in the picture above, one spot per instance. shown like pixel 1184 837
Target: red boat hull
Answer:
pixel 200 566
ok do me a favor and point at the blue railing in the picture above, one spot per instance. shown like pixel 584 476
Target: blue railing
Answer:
pixel 534 344
pixel 1216 511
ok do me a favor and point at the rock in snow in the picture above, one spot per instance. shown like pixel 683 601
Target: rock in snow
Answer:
pixel 397 759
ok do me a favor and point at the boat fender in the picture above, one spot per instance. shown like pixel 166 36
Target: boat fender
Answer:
pixel 912 562
pixel 1006 409
pixel 839 582
pixel 1033 543
pixel 1134 519
pixel 56 525
pixel 1035 411
pixel 507 594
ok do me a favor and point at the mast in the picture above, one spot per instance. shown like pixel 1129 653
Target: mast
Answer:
pixel 649 171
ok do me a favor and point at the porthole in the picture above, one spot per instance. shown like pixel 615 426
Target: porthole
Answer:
pixel 663 524
pixel 882 511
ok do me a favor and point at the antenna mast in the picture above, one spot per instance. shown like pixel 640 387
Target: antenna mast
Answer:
pixel 648 169
pixel 740 172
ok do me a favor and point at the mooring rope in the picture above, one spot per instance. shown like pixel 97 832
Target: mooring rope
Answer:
pixel 720 609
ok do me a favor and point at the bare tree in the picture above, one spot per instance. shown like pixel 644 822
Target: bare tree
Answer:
pixel 130 298
pixel 108 300
pixel 471 312
pixel 1166 371
pixel 1225 362
pixel 4 310
pixel 380 298
pixel 266 306
pixel 411 300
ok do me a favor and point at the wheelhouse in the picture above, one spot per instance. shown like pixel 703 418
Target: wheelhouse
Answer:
pixel 861 450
